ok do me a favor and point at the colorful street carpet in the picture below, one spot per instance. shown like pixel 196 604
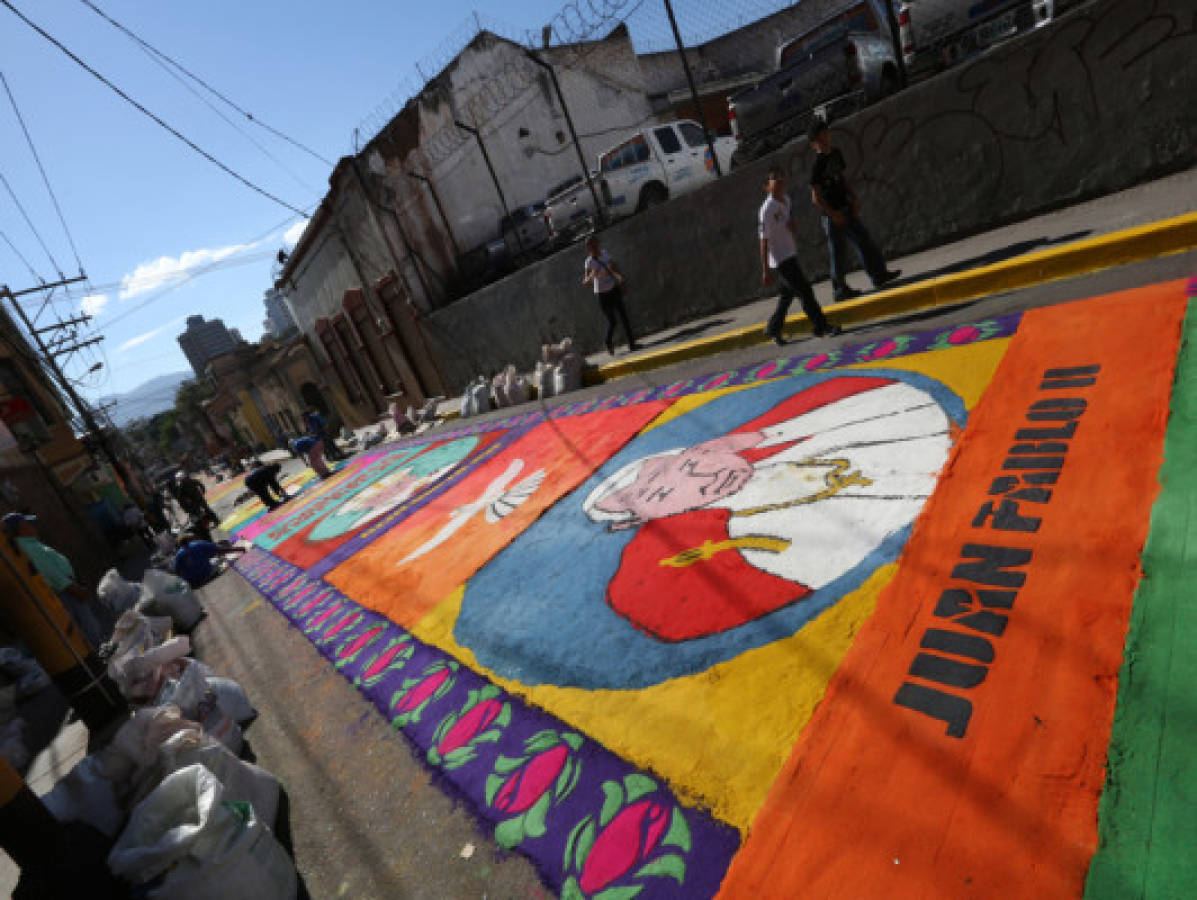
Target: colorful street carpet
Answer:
pixel 871 622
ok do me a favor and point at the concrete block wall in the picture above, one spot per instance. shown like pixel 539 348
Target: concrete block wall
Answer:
pixel 1098 101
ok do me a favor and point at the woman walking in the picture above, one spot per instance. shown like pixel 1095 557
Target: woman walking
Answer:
pixel 608 287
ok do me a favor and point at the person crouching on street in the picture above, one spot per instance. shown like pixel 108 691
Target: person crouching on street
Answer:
pixel 779 257
pixel 263 481
pixel 193 560
pixel 311 451
pixel 831 192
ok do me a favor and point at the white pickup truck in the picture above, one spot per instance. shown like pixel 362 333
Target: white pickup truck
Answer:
pixel 646 168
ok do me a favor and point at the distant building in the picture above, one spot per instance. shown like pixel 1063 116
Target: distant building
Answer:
pixel 278 317
pixel 204 340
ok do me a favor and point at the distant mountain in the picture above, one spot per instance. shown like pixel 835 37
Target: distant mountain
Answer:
pixel 155 396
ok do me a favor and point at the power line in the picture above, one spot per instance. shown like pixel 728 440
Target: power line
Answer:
pixel 21 257
pixel 45 179
pixel 29 222
pixel 156 52
pixel 194 146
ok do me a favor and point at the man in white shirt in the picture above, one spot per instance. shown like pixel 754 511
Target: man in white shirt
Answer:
pixel 600 269
pixel 779 255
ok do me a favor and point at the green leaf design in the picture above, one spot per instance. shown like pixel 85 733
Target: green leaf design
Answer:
pixel 434 757
pixel 574 740
pixel 585 842
pixel 534 817
pixel 569 844
pixel 443 728
pixel 505 765
pixel 573 781
pixel 503 719
pixel 563 778
pixel 510 834
pixel 487 692
pixel 670 864
pixel 613 795
pixel 678 834
pixel 541 741
pixel 493 783
pixel 571 891
pixel 627 892
pixel 456 758
pixel 488 737
pixel 638 785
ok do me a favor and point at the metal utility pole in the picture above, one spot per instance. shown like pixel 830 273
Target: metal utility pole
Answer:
pixel 469 129
pixel 599 212
pixel 702 119
pixel 49 360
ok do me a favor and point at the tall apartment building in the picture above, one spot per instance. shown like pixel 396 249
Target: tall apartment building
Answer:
pixel 278 316
pixel 204 340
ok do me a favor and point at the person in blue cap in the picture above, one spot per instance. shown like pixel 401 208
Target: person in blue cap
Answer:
pixel 92 619
pixel 311 450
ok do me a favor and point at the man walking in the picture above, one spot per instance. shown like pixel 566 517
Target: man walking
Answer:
pixel 318 428
pixel 779 257
pixel 840 206
pixel 263 481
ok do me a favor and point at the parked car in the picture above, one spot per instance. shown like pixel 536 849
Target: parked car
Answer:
pixel 939 33
pixel 569 210
pixel 845 62
pixel 525 231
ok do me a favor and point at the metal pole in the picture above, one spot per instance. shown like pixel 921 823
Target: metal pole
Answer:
pixel 702 119
pixel 440 209
pixel 897 40
pixel 599 212
pixel 495 178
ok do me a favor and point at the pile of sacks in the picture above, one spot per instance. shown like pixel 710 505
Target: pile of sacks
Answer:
pixel 558 371
pixel 190 818
pixel 21 676
pixel 158 594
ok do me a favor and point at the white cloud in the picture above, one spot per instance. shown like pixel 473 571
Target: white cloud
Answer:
pixel 93 304
pixel 148 336
pixel 292 235
pixel 166 269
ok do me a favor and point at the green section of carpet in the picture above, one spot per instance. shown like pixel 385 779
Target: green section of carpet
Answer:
pixel 1148 812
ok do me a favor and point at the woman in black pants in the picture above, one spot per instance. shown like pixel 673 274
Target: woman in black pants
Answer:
pixel 608 287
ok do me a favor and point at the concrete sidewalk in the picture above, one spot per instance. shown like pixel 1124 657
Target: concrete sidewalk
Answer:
pixel 1144 222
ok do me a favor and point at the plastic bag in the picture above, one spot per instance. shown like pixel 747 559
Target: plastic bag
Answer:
pixel 516 387
pixel 138 672
pixel 174 597
pixel 12 743
pixel 26 671
pixel 116 593
pixel 232 699
pixel 133 750
pixel 206 846
pixel 198 702
pixel 85 794
pixel 542 380
pixel 480 395
pixel 242 780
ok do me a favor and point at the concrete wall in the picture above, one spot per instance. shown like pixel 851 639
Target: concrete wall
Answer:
pixel 1098 101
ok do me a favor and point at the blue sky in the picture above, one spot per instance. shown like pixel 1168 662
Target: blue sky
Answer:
pixel 145 211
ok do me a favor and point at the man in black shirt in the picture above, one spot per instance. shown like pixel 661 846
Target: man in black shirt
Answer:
pixel 831 193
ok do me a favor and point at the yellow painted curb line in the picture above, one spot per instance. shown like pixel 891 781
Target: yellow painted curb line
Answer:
pixel 1106 251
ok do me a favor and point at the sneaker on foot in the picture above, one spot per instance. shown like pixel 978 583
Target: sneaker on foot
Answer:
pixel 633 348
pixel 890 275
pixel 830 331
pixel 845 293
